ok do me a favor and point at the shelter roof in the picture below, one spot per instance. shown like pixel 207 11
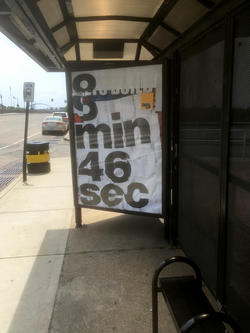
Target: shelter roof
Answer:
pixel 59 32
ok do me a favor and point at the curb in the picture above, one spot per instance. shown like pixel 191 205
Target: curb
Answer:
pixel 7 114
pixel 10 186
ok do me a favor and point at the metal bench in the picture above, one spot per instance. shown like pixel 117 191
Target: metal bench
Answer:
pixel 188 304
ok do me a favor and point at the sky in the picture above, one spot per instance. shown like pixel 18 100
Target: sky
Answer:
pixel 16 68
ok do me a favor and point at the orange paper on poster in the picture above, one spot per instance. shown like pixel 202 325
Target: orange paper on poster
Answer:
pixel 147 101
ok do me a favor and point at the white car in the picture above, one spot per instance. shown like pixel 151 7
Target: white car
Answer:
pixel 54 124
pixel 62 114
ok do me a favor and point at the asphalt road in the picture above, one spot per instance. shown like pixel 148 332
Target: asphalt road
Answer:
pixel 12 133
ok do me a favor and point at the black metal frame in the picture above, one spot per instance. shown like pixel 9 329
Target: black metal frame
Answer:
pixel 56 53
pixel 214 17
pixel 165 146
pixel 224 158
pixel 218 316
pixel 75 66
pixel 224 13
pixel 174 119
pixel 34 15
pixel 78 216
pixel 80 66
pixel 157 289
pixel 210 314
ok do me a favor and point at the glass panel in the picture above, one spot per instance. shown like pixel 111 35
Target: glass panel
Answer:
pixel 86 51
pixel 140 8
pixel 238 255
pixel 61 36
pixel 201 90
pixel 145 54
pixel 184 14
pixel 51 12
pixel 129 51
pixel 161 38
pixel 110 29
pixel 70 55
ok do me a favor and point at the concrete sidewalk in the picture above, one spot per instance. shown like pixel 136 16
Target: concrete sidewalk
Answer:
pixel 55 278
pixel 105 284
pixel 35 221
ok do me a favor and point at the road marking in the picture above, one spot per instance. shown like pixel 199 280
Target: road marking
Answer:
pixel 10 114
pixel 15 143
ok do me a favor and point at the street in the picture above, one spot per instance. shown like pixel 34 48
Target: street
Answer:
pixel 11 140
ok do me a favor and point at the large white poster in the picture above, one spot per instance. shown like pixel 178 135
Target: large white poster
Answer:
pixel 117 119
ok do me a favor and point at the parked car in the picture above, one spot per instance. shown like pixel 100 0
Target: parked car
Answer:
pixel 62 114
pixel 54 124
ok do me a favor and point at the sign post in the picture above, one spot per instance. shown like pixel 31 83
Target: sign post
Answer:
pixel 28 97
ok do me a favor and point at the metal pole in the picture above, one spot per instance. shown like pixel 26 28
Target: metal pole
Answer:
pixel 78 212
pixel 25 142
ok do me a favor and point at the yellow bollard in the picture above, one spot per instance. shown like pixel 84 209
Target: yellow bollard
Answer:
pixel 37 156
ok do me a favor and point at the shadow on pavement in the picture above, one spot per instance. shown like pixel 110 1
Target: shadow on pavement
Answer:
pixel 105 279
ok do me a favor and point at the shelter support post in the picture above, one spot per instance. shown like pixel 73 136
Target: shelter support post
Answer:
pixel 78 217
pixel 78 214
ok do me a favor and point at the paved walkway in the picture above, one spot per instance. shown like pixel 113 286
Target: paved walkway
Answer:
pixel 35 221
pixel 58 279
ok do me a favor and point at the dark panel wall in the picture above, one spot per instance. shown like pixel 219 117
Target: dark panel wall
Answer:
pixel 209 179
pixel 201 91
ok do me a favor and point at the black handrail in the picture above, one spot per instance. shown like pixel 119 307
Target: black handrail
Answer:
pixel 220 316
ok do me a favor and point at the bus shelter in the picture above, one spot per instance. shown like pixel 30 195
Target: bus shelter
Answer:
pixel 158 101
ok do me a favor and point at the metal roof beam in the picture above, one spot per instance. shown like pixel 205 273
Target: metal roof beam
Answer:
pixel 68 46
pixel 26 45
pixel 92 40
pixel 170 29
pixel 31 17
pixel 58 26
pixel 100 64
pixel 151 48
pixel 206 3
pixel 100 18
pixel 67 11
pixel 215 15
pixel 113 18
pixel 162 12
pixel 138 52
pixel 4 13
